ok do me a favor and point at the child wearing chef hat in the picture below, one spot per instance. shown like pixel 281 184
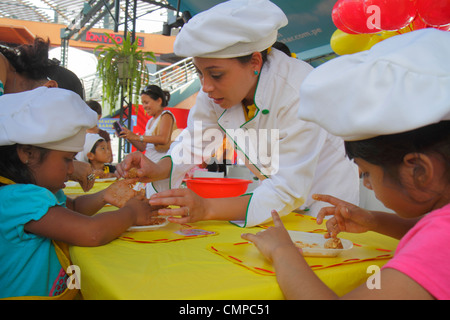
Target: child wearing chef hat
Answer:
pixel 40 133
pixel 247 88
pixel 392 106
pixel 97 154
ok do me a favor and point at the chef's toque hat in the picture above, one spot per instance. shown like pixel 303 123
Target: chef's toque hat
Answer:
pixel 401 84
pixel 231 29
pixel 51 118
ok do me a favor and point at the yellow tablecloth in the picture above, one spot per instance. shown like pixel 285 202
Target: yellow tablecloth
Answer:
pixel 188 269
pixel 73 189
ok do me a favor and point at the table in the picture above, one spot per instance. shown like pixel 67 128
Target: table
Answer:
pixel 73 189
pixel 189 270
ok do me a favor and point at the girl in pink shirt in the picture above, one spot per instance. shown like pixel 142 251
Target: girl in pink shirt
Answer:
pixel 396 128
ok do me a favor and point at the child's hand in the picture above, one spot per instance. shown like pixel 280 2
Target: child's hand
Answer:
pixel 120 192
pixel 272 239
pixel 191 207
pixel 142 209
pixel 80 174
pixel 347 216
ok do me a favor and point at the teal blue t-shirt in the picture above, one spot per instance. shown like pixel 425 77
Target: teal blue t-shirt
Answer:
pixel 29 265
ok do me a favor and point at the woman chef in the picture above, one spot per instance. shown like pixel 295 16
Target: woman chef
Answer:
pixel 250 92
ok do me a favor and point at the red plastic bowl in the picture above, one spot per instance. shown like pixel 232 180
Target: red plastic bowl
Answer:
pixel 218 187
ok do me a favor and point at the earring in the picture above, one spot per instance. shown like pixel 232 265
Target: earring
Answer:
pixel 256 72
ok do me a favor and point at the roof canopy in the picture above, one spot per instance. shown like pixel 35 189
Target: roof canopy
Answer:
pixel 16 34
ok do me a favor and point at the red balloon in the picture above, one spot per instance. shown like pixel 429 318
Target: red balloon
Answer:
pixel 434 12
pixel 352 14
pixel 390 15
pixel 443 28
pixel 418 24
pixel 337 20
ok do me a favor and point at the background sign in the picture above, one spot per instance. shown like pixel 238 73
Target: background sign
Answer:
pixel 101 38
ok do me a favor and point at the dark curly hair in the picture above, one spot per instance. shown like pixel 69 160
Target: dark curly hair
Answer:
pixel 32 62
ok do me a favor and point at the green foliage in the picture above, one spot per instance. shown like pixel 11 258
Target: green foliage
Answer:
pixel 109 67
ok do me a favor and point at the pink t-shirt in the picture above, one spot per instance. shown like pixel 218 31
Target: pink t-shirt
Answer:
pixel 423 253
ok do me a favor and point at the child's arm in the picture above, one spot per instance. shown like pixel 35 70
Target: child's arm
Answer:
pixel 295 277
pixel 298 281
pixel 63 224
pixel 351 218
pixel 116 194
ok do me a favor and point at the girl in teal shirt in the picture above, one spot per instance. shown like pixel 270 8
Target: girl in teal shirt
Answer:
pixel 41 131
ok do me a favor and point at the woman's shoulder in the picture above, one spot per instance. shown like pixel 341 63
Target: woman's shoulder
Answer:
pixel 280 63
pixel 167 115
pixel 167 112
pixel 282 76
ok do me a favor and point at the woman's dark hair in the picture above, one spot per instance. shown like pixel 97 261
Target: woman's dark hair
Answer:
pixel 29 60
pixel 12 168
pixel 94 105
pixel 65 78
pixel 155 92
pixel 388 151
pixel 283 48
pixel 32 62
pixel 246 59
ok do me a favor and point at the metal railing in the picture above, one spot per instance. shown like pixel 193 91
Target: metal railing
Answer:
pixel 174 76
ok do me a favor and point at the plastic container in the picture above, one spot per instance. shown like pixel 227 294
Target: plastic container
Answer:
pixel 218 187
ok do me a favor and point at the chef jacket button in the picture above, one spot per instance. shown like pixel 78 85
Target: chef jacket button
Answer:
pixel 265 111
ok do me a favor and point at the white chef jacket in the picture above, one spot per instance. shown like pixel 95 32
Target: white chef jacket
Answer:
pixel 303 159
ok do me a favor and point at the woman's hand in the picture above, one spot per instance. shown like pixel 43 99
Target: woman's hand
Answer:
pixel 192 207
pixel 346 216
pixel 271 240
pixel 142 209
pixel 135 165
pixel 128 134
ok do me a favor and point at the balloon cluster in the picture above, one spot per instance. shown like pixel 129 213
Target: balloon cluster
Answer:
pixel 363 23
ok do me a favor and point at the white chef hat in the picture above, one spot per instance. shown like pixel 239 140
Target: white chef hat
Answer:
pixel 51 118
pixel 401 84
pixel 231 29
pixel 90 141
